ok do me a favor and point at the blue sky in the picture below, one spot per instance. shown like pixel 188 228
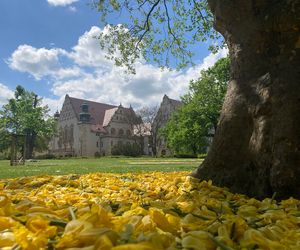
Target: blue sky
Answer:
pixel 48 46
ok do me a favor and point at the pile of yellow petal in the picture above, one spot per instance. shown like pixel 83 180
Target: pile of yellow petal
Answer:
pixel 140 211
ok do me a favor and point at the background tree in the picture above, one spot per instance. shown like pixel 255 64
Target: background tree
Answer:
pixel 183 132
pixel 190 128
pixel 25 115
pixel 256 147
pixel 147 115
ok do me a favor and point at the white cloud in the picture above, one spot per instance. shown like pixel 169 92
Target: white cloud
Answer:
pixel 38 62
pixel 65 73
pixel 61 2
pixel 90 75
pixel 87 52
pixel 53 104
pixel 5 94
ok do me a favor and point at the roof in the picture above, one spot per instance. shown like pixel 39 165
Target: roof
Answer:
pixel 96 109
pixel 108 115
pixel 173 101
pixel 101 113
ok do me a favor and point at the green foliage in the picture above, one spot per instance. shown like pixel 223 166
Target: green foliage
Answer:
pixel 127 149
pixel 190 128
pixel 4 140
pixel 155 30
pixel 25 114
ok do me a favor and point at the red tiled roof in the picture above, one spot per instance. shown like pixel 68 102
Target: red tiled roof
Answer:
pixel 96 109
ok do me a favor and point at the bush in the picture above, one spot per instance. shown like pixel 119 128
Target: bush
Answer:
pixel 45 156
pixel 126 150
pixel 185 156
pixel 97 154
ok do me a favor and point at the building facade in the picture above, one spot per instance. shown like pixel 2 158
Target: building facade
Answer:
pixel 86 128
pixel 167 107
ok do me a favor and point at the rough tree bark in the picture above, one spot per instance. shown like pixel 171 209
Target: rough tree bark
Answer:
pixel 256 149
pixel 30 138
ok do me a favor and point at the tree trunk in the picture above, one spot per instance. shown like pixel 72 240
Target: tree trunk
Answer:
pixel 256 149
pixel 30 139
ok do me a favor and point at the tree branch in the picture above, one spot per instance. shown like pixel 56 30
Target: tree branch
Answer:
pixel 170 29
pixel 147 24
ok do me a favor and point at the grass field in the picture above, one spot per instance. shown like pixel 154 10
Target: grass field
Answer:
pixel 92 165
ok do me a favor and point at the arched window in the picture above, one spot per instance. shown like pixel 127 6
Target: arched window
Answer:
pixel 113 131
pixel 121 132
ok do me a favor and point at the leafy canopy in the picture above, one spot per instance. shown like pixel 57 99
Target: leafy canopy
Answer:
pixel 191 126
pixel 156 30
pixel 24 113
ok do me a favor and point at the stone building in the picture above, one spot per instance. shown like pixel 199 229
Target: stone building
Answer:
pixel 87 128
pixel 167 107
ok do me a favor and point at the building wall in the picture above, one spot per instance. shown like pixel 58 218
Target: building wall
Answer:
pixel 66 142
pixel 167 107
pixel 120 129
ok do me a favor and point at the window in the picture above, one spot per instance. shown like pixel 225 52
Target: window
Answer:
pixel 97 144
pixel 111 143
pixel 113 131
pixel 128 132
pixel 101 144
pixel 121 132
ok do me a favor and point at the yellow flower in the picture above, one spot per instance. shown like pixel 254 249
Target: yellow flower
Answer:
pixel 7 239
pixel 197 240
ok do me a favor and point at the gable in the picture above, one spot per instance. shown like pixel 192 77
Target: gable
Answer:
pixel 67 111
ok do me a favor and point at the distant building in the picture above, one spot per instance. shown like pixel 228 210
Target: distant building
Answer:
pixel 87 128
pixel 167 107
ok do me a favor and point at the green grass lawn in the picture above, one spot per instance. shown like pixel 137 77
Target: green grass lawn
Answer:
pixel 91 165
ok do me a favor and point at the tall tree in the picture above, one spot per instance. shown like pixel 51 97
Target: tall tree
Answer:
pixel 25 115
pixel 191 127
pixel 256 149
